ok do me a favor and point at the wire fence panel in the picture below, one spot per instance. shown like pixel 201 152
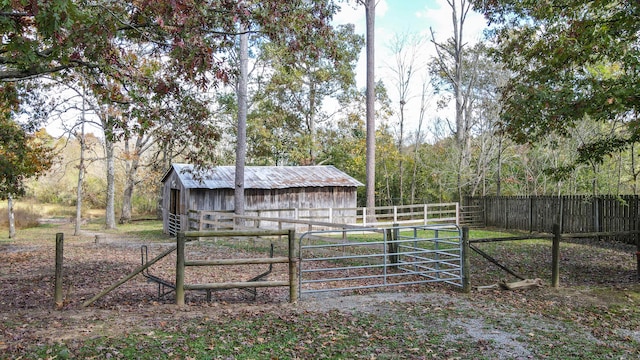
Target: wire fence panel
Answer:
pixel 353 259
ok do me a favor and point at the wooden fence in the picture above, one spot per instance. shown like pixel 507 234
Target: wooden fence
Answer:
pixel 182 262
pixel 574 214
pixel 327 218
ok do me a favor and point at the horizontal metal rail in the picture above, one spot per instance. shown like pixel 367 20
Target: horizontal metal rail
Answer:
pixel 401 255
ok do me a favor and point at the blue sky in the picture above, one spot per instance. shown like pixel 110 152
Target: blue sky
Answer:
pixel 410 17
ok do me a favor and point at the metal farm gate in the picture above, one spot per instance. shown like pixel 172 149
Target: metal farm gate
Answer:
pixel 367 258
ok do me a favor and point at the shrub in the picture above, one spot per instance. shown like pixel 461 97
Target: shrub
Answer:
pixel 24 218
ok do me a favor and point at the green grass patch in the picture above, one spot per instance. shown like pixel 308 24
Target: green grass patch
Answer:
pixel 421 330
pixel 330 335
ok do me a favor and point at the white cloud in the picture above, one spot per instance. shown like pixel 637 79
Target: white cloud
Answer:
pixel 438 17
pixel 381 8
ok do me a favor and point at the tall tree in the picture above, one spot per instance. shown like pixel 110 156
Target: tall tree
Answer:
pixel 24 152
pixel 81 166
pixel 418 141
pixel 241 139
pixel 405 49
pixel 570 59
pixel 450 63
pixel 105 39
pixel 302 84
pixel 370 183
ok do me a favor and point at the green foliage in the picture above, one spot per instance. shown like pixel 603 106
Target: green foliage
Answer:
pixel 23 154
pixel 291 108
pixel 571 60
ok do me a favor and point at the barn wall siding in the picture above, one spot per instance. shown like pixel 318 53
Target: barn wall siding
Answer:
pixel 221 199
pixel 259 199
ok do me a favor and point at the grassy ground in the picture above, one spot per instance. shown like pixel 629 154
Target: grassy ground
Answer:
pixel 594 315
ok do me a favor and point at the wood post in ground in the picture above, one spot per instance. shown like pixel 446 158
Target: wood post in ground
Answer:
pixel 466 279
pixel 392 250
pixel 393 245
pixel 555 257
pixel 59 301
pixel 638 247
pixel 638 256
pixel 294 260
pixel 180 240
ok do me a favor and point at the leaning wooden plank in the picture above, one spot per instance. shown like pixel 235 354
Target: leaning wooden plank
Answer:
pixel 128 277
pixel 524 284
pixel 503 285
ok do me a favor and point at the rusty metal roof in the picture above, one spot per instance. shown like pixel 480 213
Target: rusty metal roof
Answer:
pixel 263 177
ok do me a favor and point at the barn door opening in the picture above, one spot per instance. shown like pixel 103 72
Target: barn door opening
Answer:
pixel 174 203
pixel 174 212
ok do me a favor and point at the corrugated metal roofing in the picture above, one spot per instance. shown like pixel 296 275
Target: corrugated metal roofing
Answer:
pixel 264 177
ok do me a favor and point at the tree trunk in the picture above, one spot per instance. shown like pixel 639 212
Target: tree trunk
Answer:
pixel 110 216
pixel 594 181
pixel 76 231
pixel 499 169
pixel 634 173
pixel 131 176
pixel 423 109
pixel 455 76
pixel 400 150
pixel 241 146
pixel 12 218
pixel 312 123
pixel 370 7
pixel 125 215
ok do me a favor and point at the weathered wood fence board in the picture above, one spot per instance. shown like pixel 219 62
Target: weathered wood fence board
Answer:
pixel 574 214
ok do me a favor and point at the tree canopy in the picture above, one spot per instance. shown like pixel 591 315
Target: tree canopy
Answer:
pixel 571 60
pixel 23 153
pixel 46 37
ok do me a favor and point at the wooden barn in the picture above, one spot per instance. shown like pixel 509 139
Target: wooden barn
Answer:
pixel 266 187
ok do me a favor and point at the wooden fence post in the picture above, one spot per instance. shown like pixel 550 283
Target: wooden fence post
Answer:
pixel 466 279
pixel 294 260
pixel 425 215
pixel 180 240
pixel 392 246
pixel 638 254
pixel 59 301
pixel 637 227
pixel 555 257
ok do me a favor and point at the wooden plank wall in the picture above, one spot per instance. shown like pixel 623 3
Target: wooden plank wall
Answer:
pixel 575 214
